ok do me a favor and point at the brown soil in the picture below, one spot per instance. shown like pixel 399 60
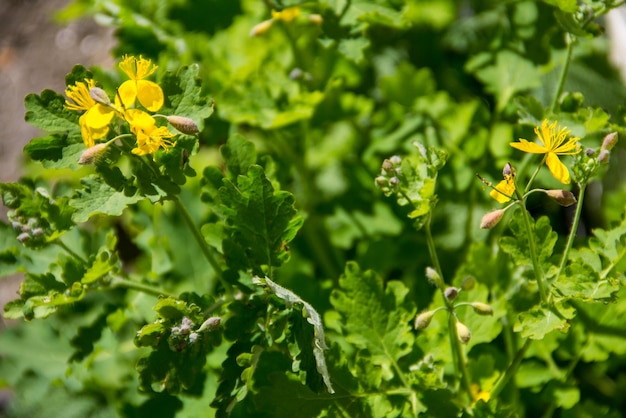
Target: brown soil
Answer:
pixel 35 54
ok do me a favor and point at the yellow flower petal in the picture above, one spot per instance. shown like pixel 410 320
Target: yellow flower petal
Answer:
pixel 505 186
pixel 126 93
pixel 286 15
pixel 531 147
pixel 557 168
pixel 150 95
pixel 137 69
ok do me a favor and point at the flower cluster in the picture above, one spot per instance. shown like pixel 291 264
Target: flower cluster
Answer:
pixel 553 141
pixel 133 100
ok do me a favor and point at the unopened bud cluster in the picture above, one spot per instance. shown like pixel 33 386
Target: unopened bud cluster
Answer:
pixel 31 231
pixel 184 334
pixel 390 173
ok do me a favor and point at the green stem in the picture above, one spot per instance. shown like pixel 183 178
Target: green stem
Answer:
pixel 206 250
pixel 532 246
pixel 568 58
pixel 118 281
pixel 532 178
pixel 455 345
pixel 458 355
pixel 511 370
pixel 71 252
pixel 574 228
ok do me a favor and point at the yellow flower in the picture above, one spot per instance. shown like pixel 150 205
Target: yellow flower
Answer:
pixel 147 92
pixel 554 142
pixel 506 186
pixel 149 136
pixel 286 15
pixel 94 123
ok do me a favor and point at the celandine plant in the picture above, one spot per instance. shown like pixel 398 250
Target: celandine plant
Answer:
pixel 208 230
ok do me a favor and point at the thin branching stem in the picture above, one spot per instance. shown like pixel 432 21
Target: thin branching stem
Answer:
pixel 568 59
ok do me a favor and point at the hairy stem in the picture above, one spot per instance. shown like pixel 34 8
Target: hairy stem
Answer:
pixel 573 229
pixel 532 247
pixel 568 58
pixel 118 281
pixel 511 370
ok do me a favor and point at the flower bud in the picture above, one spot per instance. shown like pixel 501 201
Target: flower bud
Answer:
pixel 482 308
pixel 394 181
pixel 451 293
pixel 562 197
pixel 24 236
pixel 508 170
pixel 609 141
pixel 396 160
pixel 468 283
pixel 261 28
pixel 211 324
pixel 387 166
pixel 381 181
pixel 316 19
pixel 92 154
pixel 590 152
pixel 491 219
pixel 422 321
pixel 463 332
pixel 193 337
pixel 433 277
pixel 603 157
pixel 100 96
pixel 183 124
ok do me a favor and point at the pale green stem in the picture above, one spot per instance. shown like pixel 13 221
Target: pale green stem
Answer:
pixel 573 229
pixel 568 58
pixel 204 246
pixel 532 178
pixel 532 247
pixel 117 281
pixel 511 370
pixel 71 252
pixel 455 344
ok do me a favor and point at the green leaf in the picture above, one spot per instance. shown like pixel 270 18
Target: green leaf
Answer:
pixel 47 112
pixel 569 6
pixel 260 220
pixel 183 91
pixel 580 281
pixel 509 75
pixel 313 318
pixel 239 154
pixel 539 321
pixel 97 197
pixel 354 49
pixel 375 317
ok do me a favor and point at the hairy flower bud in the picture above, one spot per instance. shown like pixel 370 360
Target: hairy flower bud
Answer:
pixel 387 166
pixel 451 293
pixel 590 152
pixel 433 277
pixel 604 155
pixel 609 141
pixel 261 28
pixel 482 308
pixel 92 154
pixel 508 170
pixel 183 124
pixel 422 321
pixel 394 181
pixel 316 19
pixel 562 197
pixel 100 96
pixel 491 219
pixel 463 332
pixel 211 324
pixel 381 181
pixel 396 160
pixel 24 236
pixel 468 283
